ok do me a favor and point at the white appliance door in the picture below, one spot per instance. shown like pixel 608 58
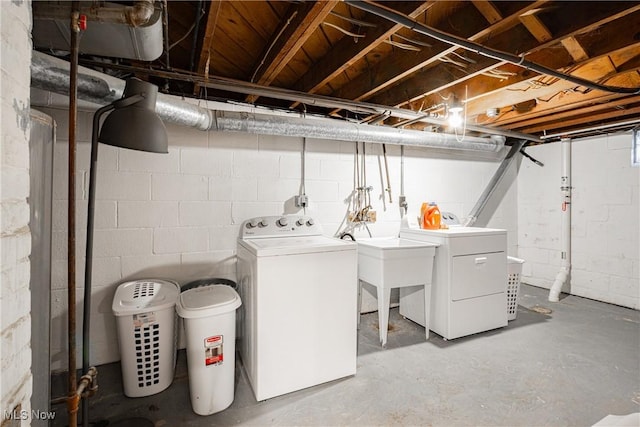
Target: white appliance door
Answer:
pixel 306 320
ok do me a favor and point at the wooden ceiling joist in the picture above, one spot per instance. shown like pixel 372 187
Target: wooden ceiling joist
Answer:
pixel 546 53
pixel 575 49
pixel 547 115
pixel 617 113
pixel 289 39
pixel 488 10
pixel 595 69
pixel 401 64
pixel 536 27
pixel 205 53
pixel 286 44
pixel 346 53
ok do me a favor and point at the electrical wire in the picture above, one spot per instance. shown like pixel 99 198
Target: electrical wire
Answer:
pixel 342 30
pixel 464 118
pixel 273 42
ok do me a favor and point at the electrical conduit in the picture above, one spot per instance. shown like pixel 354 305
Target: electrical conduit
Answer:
pixel 565 187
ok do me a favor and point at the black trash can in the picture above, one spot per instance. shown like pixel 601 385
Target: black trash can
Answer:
pixel 207 282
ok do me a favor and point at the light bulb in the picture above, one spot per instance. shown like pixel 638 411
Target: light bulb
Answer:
pixel 455 119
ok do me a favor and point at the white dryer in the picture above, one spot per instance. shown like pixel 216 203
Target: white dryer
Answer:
pixel 299 290
pixel 469 281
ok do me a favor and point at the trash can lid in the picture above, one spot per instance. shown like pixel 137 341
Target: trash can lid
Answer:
pixel 139 296
pixel 205 301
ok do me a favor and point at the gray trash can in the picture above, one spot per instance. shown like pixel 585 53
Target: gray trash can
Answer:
pixel 209 314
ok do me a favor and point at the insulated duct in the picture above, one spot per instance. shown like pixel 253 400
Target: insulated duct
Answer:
pixel 52 74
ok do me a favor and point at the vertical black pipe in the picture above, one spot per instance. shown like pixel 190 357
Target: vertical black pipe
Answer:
pixel 88 269
pixel 195 37
pixel 71 210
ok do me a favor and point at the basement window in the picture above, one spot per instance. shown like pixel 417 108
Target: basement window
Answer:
pixel 635 148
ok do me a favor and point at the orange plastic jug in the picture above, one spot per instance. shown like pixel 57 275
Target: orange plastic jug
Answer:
pixel 430 216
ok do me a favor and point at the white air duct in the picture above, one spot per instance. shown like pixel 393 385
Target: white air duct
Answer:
pixel 563 275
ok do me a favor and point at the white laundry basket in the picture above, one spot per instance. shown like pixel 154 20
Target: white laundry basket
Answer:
pixel 514 271
pixel 146 319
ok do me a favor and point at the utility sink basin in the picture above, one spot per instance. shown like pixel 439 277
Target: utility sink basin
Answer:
pixel 395 262
pixel 388 263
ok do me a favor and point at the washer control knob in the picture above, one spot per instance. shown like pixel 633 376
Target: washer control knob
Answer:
pixel 263 223
pixel 300 222
pixel 282 222
pixel 252 223
pixel 310 222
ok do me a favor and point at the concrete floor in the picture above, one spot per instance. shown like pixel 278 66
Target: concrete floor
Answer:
pixel 571 367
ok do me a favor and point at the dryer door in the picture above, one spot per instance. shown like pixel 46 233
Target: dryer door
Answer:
pixel 478 275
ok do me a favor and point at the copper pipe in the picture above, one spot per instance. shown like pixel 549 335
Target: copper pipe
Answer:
pixel 72 403
pixel 86 387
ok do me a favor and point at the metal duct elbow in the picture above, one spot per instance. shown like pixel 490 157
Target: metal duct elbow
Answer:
pixel 140 13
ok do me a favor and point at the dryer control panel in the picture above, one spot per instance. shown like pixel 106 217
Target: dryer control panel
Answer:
pixel 279 226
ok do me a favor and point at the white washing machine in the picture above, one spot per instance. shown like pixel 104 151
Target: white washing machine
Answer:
pixel 299 291
pixel 469 281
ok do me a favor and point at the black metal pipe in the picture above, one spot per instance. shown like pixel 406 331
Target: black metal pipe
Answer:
pixel 165 26
pixel 196 30
pixel 402 19
pixel 86 314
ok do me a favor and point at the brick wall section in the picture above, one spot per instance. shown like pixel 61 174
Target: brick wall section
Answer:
pixel 15 324
pixel 178 215
pixel 605 233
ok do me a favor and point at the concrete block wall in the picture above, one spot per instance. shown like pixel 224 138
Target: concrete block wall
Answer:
pixel 178 215
pixel 605 233
pixel 15 324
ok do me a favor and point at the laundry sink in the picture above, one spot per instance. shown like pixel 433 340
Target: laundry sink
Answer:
pixel 388 263
pixel 394 262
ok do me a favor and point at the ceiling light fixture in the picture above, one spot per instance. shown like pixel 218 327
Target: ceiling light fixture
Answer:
pixel 454 113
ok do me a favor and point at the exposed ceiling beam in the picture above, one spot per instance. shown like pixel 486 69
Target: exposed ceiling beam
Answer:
pixel 488 10
pixel 535 26
pixel 346 53
pixel 617 113
pixel 434 80
pixel 542 113
pixel 289 39
pixel 207 42
pixel 569 101
pixel 401 64
pixel 547 53
pixel 575 49
pixel 595 69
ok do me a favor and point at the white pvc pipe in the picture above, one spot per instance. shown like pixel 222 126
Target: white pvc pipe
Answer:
pixel 563 275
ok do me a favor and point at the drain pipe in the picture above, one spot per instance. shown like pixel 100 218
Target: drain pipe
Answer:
pixel 563 275
pixel 52 74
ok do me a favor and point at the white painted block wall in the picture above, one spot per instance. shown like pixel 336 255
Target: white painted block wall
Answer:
pixel 177 215
pixel 15 303
pixel 605 231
